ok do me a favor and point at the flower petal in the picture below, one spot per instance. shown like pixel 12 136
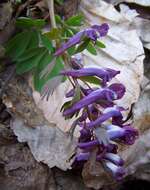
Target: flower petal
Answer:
pixel 119 89
pixel 102 29
pixel 109 112
pixel 76 39
pixel 106 74
pixel 100 94
pixel 125 134
pixel 114 158
pixel 117 172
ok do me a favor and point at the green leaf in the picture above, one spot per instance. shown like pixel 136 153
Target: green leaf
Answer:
pixel 34 40
pixel 65 106
pixel 59 2
pixel 38 81
pixel 47 42
pixel 90 48
pixel 73 30
pixel 75 20
pixel 53 34
pixel 30 53
pixel 100 44
pixel 18 44
pixel 57 68
pixel 68 33
pixel 31 62
pixel 25 22
pixel 91 79
pixel 58 19
pixel 82 46
pixel 18 1
pixel 71 50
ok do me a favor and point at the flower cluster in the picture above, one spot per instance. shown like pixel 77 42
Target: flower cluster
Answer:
pixel 100 120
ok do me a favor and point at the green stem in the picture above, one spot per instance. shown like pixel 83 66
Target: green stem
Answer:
pixel 51 12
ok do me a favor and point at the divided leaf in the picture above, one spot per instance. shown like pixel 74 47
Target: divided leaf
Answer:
pixel 39 81
pixel 32 61
pixel 90 48
pixel 34 40
pixel 17 45
pixel 82 46
pixel 100 44
pixel 53 34
pixel 75 20
pixel 25 22
pixel 47 42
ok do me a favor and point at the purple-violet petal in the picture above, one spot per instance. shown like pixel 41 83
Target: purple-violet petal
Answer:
pixel 101 29
pixel 117 171
pixel 109 112
pixel 114 158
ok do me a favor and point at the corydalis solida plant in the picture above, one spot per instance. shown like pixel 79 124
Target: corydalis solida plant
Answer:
pixel 101 121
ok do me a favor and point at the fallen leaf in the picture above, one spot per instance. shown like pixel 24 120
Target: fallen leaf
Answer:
pixel 124 50
pixel 48 144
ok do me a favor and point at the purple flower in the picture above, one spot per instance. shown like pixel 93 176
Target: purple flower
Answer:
pixel 119 89
pixel 114 158
pixel 107 114
pixel 88 144
pixel 117 171
pixel 102 29
pixel 85 135
pixel 82 156
pixel 125 134
pixel 76 39
pixel 113 148
pixel 91 33
pixel 71 93
pixel 100 94
pixel 106 74
pixel 76 61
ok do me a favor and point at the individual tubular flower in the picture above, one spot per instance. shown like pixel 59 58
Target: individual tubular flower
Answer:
pixel 117 171
pixel 109 113
pixel 125 134
pixel 106 74
pixel 95 96
pixel 83 156
pixel 114 158
pixel 88 144
pixel 93 33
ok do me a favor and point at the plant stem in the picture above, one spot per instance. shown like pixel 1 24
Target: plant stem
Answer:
pixel 51 12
